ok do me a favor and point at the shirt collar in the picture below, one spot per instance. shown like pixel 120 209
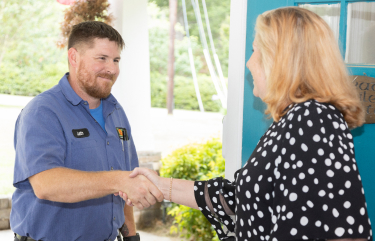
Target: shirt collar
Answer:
pixel 73 97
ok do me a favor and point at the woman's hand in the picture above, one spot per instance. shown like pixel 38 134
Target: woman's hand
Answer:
pixel 149 174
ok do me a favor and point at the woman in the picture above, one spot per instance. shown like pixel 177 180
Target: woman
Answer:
pixel 301 182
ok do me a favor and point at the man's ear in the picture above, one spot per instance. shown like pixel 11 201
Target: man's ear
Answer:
pixel 73 57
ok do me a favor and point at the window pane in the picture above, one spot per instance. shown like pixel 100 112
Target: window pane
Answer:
pixel 360 36
pixel 329 12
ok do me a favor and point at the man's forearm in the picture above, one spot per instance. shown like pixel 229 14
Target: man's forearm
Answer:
pixel 128 229
pixel 70 186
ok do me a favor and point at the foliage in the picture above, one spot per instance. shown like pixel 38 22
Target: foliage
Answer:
pixel 184 92
pixel 218 14
pixel 30 63
pixel 81 11
pixel 194 162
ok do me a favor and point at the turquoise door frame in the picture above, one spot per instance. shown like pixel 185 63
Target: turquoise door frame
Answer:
pixel 255 123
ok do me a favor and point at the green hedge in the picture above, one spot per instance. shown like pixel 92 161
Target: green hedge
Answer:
pixel 194 162
pixel 184 92
pixel 29 81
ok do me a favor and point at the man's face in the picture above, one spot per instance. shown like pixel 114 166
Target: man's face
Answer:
pixel 98 67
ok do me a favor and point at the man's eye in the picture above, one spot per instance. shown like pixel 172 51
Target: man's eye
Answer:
pixel 117 61
pixel 102 58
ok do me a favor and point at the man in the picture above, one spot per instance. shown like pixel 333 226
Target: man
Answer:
pixel 74 150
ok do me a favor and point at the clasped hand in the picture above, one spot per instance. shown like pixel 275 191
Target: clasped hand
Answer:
pixel 139 192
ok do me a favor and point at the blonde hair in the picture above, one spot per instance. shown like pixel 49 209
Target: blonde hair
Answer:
pixel 302 61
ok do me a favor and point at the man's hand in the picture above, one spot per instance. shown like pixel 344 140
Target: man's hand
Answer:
pixel 150 174
pixel 140 191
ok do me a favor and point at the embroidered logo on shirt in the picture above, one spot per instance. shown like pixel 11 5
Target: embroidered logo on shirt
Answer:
pixel 81 133
pixel 122 133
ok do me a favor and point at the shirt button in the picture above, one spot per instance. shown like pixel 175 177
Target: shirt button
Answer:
pixel 107 142
pixel 85 103
pixel 114 218
pixel 111 167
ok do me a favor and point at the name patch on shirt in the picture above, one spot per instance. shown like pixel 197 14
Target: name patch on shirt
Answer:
pixel 81 133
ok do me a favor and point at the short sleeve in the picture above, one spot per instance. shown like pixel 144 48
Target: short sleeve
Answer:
pixel 39 143
pixel 318 193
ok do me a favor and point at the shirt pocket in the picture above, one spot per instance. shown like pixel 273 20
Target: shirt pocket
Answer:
pixel 86 155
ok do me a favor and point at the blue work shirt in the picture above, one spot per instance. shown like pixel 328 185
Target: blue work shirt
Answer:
pixel 56 129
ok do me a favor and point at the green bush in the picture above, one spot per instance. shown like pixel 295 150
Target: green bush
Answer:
pixel 184 92
pixel 194 162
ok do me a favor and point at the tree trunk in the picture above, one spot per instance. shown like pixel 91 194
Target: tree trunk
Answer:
pixel 172 21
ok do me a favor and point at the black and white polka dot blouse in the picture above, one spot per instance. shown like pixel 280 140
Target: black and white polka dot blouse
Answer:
pixel 300 183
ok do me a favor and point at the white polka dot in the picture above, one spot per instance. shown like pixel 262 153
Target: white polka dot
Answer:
pixel 347 204
pixel 307 112
pixel 341 192
pixel 274 148
pixel 264 153
pixel 294 181
pixel 337 165
pixel 221 213
pixel 346 169
pixel 304 221
pixel 335 124
pixel 248 194
pixel 289 215
pixel 322 193
pixel 330 173
pixel 248 178
pixel 330 185
pixel 292 141
pixel 300 131
pixel 316 138
pixel 304 147
pixel 292 156
pixel 342 126
pixel 326 228
pixel 360 229
pixel 318 223
pixel 311 171
pixel 331 196
pixel 287 135
pixel 305 189
pixel 256 188
pixel 362 211
pixel 309 123
pixel 335 212
pixel 301 176
pixel 346 157
pixel 286 165
pixel 260 214
pixel 339 231
pixel 328 162
pixel 299 163
pixel 323 130
pixel 320 152
pixel 195 188
pixel 310 204
pixel 314 160
pixel 350 220
pixel 293 231
pixel 316 181
pixel 348 184
pixel 293 197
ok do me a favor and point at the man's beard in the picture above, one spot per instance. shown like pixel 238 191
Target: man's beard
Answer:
pixel 90 85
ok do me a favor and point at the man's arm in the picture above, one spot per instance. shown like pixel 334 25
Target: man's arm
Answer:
pixel 70 186
pixel 128 229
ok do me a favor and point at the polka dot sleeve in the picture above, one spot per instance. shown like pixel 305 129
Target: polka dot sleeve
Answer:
pixel 317 192
pixel 215 199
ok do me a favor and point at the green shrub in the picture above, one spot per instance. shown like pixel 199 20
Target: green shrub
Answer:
pixel 184 92
pixel 194 162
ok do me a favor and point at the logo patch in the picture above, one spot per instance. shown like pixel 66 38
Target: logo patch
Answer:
pixel 80 133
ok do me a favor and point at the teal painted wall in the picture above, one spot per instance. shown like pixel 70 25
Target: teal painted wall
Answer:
pixel 255 123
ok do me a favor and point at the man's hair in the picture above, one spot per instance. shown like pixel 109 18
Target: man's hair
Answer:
pixel 302 61
pixel 86 32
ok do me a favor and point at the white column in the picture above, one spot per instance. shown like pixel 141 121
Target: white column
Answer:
pixel 233 121
pixel 132 88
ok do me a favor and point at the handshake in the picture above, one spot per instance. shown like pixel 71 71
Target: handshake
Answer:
pixel 142 188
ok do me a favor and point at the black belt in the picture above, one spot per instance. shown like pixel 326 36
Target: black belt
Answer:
pixel 18 237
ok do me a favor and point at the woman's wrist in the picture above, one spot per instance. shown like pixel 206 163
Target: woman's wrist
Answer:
pixel 164 186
